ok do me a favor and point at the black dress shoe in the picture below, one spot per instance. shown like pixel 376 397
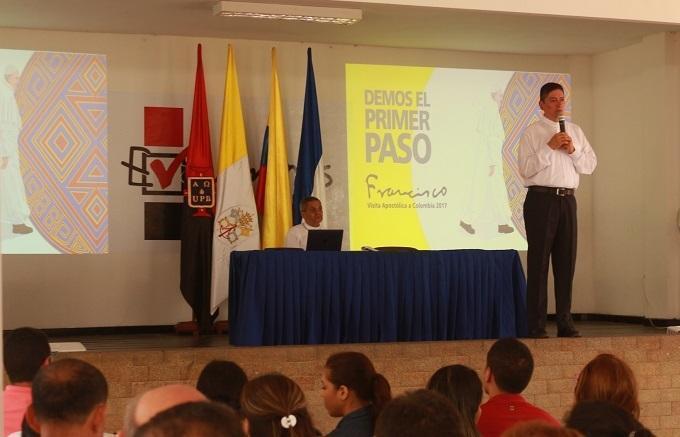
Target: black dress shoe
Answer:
pixel 538 334
pixel 569 333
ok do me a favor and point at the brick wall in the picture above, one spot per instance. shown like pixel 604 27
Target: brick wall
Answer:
pixel 654 359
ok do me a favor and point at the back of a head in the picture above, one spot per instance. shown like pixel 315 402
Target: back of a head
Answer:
pixel 463 387
pixel 537 428
pixel 355 371
pixel 511 364
pixel 608 378
pixel 274 405
pixel 222 381
pixel 604 419
pixel 141 409
pixel 193 419
pixel 422 413
pixel 25 350
pixel 67 391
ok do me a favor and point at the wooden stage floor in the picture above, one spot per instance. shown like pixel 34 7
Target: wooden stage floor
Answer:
pixel 172 341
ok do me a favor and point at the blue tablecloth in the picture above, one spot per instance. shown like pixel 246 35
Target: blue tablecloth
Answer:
pixel 294 297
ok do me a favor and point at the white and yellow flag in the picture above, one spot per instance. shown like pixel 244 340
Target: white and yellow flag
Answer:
pixel 236 225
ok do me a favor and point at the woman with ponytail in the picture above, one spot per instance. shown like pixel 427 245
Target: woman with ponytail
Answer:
pixel 274 406
pixel 353 390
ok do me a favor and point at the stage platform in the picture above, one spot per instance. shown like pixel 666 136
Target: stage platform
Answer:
pixel 169 341
pixel 135 363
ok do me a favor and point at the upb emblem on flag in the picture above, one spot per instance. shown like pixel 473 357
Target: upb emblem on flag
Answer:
pixel 201 192
pixel 236 225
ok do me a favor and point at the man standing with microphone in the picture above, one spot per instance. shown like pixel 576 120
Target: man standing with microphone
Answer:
pixel 552 154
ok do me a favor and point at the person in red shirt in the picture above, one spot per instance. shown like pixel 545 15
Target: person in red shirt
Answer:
pixel 509 366
pixel 25 351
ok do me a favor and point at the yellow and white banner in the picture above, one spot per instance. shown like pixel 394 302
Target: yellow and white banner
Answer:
pixel 236 225
pixel 432 155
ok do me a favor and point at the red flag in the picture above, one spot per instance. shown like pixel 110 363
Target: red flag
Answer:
pixel 197 227
pixel 262 175
pixel 199 157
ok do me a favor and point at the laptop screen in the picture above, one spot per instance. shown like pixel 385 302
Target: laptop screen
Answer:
pixel 324 239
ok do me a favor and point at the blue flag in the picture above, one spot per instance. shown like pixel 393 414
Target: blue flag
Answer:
pixel 309 177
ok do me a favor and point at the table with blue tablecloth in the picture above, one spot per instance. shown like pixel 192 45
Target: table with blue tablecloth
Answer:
pixel 279 297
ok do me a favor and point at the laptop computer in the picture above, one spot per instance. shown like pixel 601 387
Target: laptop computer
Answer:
pixel 324 239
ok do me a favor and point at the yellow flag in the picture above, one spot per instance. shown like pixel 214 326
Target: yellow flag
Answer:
pixel 236 226
pixel 277 218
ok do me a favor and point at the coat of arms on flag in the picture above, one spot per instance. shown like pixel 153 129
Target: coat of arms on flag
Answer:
pixel 201 192
pixel 236 225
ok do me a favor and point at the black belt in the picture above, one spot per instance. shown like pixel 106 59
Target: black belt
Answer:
pixel 557 191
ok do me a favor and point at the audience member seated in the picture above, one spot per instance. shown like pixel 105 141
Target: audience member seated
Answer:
pixel 312 216
pixel 25 351
pixel 274 406
pixel 222 381
pixel 604 419
pixel 536 428
pixel 353 390
pixel 422 413
pixel 69 399
pixel 152 402
pixel 509 366
pixel 464 388
pixel 608 378
pixel 194 419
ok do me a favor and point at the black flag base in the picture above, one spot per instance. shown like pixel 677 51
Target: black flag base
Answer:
pixel 222 327
pixel 191 328
pixel 195 327
pixel 185 328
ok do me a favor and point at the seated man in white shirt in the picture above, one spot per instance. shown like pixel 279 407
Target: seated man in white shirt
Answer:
pixel 312 216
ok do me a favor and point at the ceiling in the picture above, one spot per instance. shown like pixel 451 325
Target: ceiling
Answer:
pixel 382 25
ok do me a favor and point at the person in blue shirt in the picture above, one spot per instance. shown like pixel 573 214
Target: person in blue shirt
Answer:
pixel 353 390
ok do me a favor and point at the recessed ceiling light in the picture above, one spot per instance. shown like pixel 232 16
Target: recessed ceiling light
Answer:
pixel 312 14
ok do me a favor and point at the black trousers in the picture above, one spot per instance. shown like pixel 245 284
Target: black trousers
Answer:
pixel 550 222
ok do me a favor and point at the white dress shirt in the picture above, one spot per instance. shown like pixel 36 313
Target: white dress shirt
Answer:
pixel 541 165
pixel 297 235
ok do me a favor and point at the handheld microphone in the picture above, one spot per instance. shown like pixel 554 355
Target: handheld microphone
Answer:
pixel 561 120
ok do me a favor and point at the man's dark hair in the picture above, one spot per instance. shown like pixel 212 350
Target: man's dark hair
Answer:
pixel 604 419
pixel 548 88
pixel 24 352
pixel 511 364
pixel 193 419
pixel 422 413
pixel 306 200
pixel 68 390
pixel 222 381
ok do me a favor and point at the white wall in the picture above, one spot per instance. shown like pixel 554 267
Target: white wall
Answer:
pixel 137 282
pixel 637 184
pixel 655 11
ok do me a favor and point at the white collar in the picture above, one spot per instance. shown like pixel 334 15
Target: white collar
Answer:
pixel 549 121
pixel 308 226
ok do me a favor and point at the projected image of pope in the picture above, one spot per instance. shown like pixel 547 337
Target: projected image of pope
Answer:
pixel 486 205
pixel 13 204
